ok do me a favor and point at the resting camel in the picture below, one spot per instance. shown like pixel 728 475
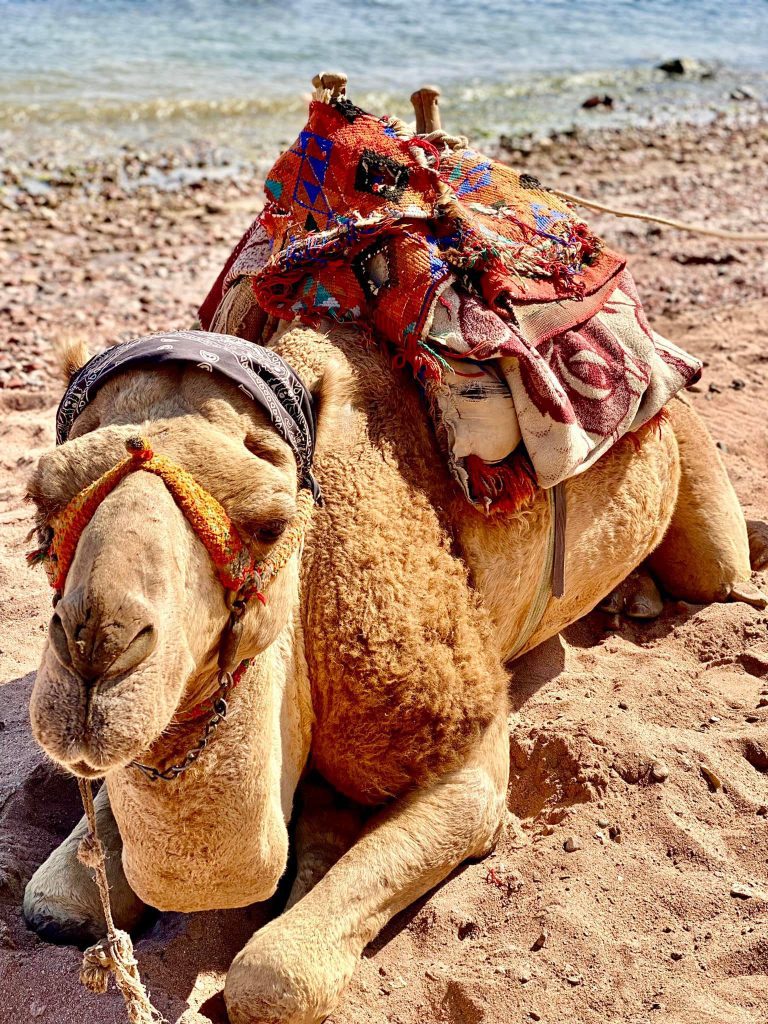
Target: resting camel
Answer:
pixel 377 659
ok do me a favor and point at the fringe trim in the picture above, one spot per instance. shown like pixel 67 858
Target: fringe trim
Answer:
pixel 504 487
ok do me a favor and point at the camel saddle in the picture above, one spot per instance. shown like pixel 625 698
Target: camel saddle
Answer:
pixel 521 326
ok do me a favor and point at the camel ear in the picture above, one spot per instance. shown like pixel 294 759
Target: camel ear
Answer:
pixel 72 355
pixel 330 393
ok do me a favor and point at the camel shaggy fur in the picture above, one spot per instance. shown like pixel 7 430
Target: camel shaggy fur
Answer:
pixel 377 661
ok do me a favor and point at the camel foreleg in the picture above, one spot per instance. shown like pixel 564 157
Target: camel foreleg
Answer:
pixel 61 901
pixel 295 969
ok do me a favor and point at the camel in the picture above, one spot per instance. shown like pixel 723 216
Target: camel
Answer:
pixel 377 668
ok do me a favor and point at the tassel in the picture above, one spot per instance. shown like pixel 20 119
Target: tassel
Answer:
pixel 504 487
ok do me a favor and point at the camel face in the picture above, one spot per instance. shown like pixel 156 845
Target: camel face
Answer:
pixel 135 634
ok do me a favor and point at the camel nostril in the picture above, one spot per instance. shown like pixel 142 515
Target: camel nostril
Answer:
pixel 138 650
pixel 58 639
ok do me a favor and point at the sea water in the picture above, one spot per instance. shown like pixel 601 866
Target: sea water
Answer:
pixel 80 76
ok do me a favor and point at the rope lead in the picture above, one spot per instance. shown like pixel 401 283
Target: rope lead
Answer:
pixel 113 953
pixel 694 229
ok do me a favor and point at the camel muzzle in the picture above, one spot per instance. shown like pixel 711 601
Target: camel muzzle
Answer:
pixel 101 642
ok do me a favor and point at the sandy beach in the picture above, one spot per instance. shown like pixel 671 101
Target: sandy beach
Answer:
pixel 646 743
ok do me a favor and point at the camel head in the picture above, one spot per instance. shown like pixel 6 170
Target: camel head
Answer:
pixel 135 633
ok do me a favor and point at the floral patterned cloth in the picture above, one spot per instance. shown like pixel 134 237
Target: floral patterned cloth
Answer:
pixel 518 322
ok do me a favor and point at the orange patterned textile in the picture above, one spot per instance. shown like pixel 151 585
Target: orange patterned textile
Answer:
pixel 517 321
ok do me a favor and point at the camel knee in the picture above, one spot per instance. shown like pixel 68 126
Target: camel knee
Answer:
pixel 705 551
pixel 482 802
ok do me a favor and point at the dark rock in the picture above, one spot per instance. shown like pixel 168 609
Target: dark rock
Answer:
pixel 685 66
pixel 598 101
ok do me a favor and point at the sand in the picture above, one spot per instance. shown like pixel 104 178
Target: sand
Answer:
pixel 645 746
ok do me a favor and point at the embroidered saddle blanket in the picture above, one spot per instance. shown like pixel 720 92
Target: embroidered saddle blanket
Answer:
pixel 523 328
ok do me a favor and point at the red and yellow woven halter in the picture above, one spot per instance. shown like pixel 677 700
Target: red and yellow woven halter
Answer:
pixel 234 562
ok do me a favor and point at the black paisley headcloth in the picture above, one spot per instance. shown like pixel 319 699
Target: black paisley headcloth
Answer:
pixel 258 372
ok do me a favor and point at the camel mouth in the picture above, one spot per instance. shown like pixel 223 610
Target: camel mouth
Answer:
pixel 85 771
pixel 93 728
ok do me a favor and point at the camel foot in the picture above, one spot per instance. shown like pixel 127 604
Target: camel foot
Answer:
pixel 748 593
pixel 757 533
pixel 637 597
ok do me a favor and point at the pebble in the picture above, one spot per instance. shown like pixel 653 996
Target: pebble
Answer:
pixel 659 771
pixel 615 833
pixel 603 822
pixel 713 780
pixel 525 974
pixel 541 941
pixel 677 955
pixel 534 1015
pixel 741 891
pixel 572 844
pixel 623 705
pixel 572 976
pixel 598 101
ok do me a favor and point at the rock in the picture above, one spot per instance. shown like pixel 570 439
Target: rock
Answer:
pixel 598 101
pixel 676 954
pixel 524 975
pixel 603 822
pixel 623 705
pixel 659 771
pixel 741 891
pixel 541 941
pixel 572 976
pixel 572 844
pixel 741 94
pixel 685 66
pixel 713 780
pixel 615 833
pixel 534 1015
pixel 762 810
pixel 757 754
pixel 755 661
pixel 738 385
pixel 762 703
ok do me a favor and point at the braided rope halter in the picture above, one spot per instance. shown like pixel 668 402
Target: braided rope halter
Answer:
pixel 242 576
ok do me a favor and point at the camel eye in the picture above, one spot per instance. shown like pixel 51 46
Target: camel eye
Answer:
pixel 269 532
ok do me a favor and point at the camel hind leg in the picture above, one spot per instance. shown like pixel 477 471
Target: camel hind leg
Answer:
pixel 705 553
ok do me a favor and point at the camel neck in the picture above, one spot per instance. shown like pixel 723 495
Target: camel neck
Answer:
pixel 216 835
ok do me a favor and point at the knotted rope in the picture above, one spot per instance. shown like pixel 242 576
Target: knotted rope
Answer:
pixel 115 951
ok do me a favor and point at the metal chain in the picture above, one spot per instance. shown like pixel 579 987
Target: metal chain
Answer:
pixel 220 709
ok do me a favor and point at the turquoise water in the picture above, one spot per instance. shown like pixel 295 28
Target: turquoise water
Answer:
pixel 79 75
